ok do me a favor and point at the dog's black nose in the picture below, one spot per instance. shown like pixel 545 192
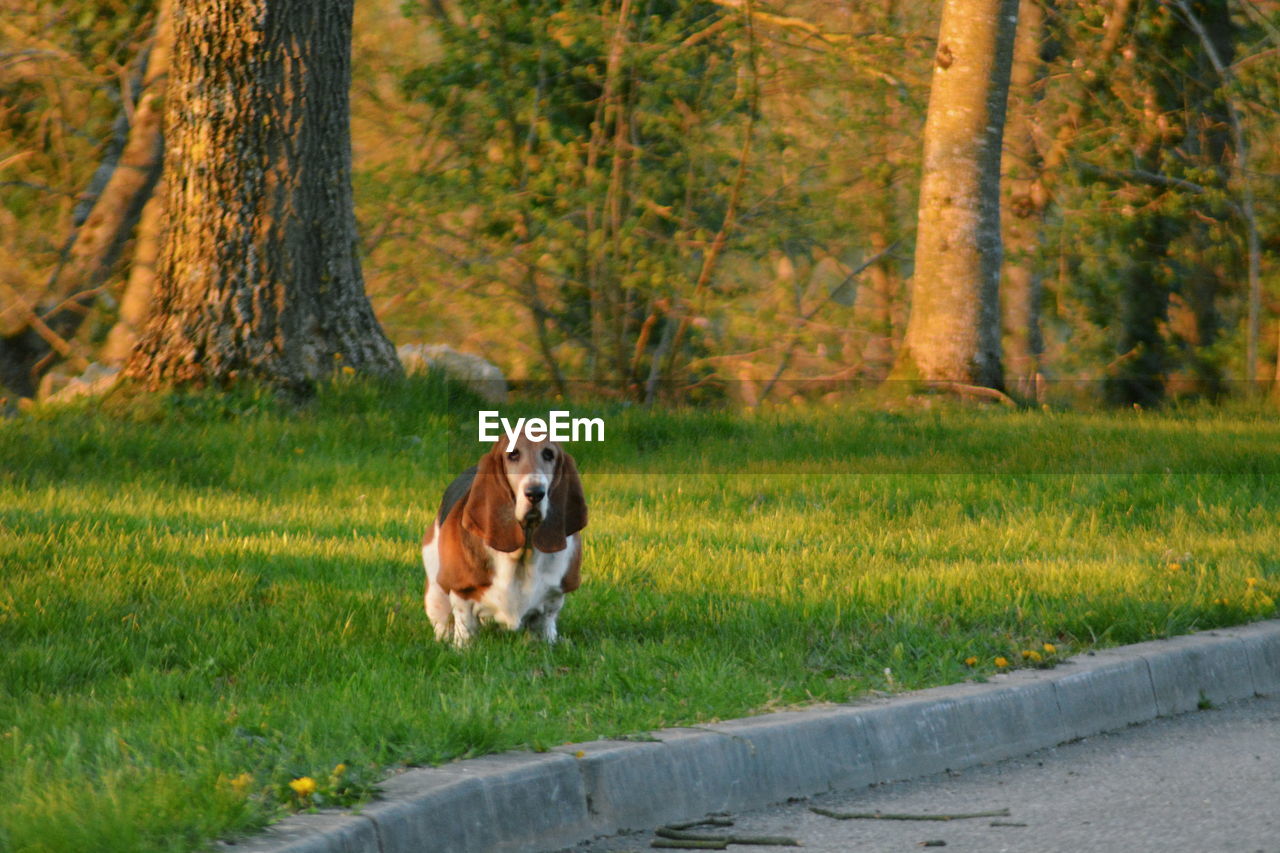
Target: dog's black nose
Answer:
pixel 535 494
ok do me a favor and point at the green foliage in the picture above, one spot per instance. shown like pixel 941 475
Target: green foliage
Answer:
pixel 590 182
pixel 595 195
pixel 1151 238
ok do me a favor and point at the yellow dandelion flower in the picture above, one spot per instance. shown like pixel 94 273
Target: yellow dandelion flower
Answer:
pixel 971 661
pixel 1002 662
pixel 1173 567
pixel 1031 655
pixel 1050 649
pixel 304 786
pixel 1251 582
pixel 242 783
pixel 348 370
pixel 339 770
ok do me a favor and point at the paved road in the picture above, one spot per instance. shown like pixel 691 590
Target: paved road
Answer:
pixel 1204 782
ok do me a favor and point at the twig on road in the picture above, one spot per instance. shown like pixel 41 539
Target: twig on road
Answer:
pixel 885 816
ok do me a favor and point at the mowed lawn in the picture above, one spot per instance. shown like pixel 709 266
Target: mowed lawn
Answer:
pixel 203 599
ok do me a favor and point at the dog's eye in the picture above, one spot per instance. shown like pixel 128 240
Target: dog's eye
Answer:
pixel 513 455
pixel 548 454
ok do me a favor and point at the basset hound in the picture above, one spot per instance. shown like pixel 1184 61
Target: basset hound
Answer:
pixel 504 547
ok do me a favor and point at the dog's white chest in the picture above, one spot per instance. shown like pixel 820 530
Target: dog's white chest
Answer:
pixel 524 585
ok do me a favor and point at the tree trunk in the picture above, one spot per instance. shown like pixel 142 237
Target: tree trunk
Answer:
pixel 954 331
pixel 1021 280
pixel 874 306
pixel 259 275
pixel 126 184
pixel 135 301
pixel 876 301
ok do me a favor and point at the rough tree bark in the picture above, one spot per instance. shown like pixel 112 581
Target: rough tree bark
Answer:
pixel 953 334
pixel 259 275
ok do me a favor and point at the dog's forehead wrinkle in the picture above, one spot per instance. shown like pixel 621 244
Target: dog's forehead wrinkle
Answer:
pixel 529 458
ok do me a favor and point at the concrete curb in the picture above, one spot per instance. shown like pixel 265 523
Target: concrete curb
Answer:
pixel 523 801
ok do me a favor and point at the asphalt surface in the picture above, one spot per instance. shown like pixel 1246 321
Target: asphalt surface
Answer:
pixel 1202 782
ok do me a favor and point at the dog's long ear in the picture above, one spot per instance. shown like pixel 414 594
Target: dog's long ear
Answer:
pixel 568 512
pixel 490 511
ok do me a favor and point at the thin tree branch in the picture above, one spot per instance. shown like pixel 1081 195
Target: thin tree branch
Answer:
pixel 1141 176
pixel 844 41
pixel 803 320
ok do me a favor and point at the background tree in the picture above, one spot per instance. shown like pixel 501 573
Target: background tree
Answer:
pixel 954 331
pixel 259 274
pixel 625 194
pixel 580 163
pixel 1021 276
pixel 475 122
pixel 48 293
pixel 1154 276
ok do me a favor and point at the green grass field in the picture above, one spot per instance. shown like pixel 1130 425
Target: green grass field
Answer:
pixel 203 599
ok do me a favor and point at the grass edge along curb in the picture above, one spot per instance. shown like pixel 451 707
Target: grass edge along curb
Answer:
pixel 522 801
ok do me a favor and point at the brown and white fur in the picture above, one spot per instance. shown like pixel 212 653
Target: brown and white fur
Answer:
pixel 505 547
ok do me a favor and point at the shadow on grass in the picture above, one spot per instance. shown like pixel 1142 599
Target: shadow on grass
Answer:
pixel 423 430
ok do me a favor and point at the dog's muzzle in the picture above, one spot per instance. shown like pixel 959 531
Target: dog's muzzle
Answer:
pixel 534 494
